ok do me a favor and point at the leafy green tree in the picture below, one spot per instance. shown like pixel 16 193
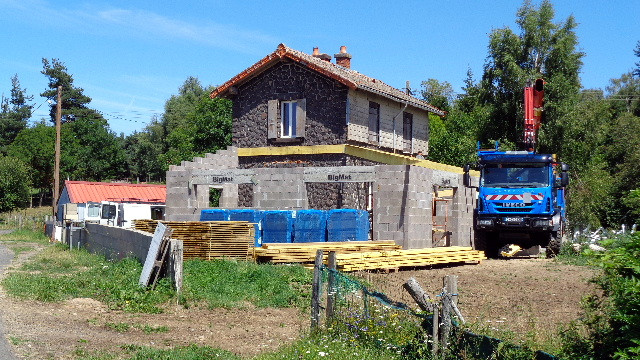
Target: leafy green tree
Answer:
pixel 144 150
pixel 206 129
pixel 15 184
pixel 438 94
pixel 178 106
pixel 194 124
pixel 90 150
pixel 35 146
pixel 14 114
pixel 543 49
pixel 624 94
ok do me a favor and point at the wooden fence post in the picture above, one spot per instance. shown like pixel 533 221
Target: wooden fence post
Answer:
pixel 176 260
pixel 435 330
pixel 418 294
pixel 315 290
pixel 331 286
pixel 450 288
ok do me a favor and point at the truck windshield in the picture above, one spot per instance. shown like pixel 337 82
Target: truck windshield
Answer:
pixel 515 175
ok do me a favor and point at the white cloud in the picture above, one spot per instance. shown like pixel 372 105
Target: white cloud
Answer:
pixel 135 22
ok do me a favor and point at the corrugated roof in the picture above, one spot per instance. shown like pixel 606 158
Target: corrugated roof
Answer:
pixel 85 191
pixel 348 77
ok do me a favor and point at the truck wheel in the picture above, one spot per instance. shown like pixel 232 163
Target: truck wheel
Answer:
pixel 485 242
pixel 555 243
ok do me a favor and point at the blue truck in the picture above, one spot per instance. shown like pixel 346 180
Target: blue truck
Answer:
pixel 521 194
pixel 521 200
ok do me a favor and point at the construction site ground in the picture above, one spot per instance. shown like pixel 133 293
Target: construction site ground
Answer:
pixel 528 297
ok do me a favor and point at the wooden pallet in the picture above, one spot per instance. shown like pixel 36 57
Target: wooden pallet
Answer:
pixel 209 239
pixel 306 252
pixel 380 260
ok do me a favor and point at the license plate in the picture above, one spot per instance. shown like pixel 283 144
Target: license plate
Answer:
pixel 513 219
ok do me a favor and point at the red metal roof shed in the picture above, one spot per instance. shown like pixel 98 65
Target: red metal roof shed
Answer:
pixel 86 191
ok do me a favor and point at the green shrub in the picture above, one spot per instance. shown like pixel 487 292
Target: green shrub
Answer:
pixel 611 324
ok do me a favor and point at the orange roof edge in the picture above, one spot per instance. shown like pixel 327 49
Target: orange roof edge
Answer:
pixel 87 191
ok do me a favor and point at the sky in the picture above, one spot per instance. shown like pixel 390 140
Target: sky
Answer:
pixel 131 56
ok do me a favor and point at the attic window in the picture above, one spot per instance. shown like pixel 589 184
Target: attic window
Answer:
pixel 286 119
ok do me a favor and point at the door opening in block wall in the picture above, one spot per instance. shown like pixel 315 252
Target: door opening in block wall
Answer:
pixel 441 207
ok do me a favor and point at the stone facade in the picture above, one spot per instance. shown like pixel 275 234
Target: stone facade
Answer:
pixel 326 101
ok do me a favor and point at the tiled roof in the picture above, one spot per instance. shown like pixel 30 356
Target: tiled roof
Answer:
pixel 348 77
pixel 85 191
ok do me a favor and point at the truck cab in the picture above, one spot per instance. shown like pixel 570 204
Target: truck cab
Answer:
pixel 521 200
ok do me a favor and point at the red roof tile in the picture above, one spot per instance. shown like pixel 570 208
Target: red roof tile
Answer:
pixel 85 191
pixel 348 77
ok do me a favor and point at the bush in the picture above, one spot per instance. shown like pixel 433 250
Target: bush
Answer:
pixel 611 325
pixel 15 182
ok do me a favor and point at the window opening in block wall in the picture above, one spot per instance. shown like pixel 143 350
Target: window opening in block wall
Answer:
pixel 214 196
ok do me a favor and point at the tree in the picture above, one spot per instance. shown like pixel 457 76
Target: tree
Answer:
pixel 194 123
pixel 14 184
pixel 178 106
pixel 73 99
pixel 636 72
pixel 206 129
pixel 14 114
pixel 543 49
pixel 144 151
pixel 90 150
pixel 438 94
pixel 35 146
pixel 624 94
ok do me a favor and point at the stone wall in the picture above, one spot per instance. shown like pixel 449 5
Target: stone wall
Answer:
pixel 326 103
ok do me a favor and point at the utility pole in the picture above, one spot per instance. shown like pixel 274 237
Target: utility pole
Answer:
pixel 56 171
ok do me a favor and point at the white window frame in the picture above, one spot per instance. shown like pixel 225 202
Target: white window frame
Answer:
pixel 286 114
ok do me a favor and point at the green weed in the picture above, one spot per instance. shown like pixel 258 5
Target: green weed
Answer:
pixel 119 327
pixel 25 235
pixel 228 284
pixel 58 274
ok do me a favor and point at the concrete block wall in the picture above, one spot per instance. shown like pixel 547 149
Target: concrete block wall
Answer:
pixel 184 204
pixel 116 243
pixel 280 189
pixel 402 205
pixel 464 201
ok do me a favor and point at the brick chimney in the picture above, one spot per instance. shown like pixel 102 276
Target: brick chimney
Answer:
pixel 316 54
pixel 343 58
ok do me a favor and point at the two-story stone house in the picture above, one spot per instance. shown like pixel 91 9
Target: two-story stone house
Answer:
pixel 292 98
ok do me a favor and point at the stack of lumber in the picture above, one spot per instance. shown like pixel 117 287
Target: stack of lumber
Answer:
pixel 209 239
pixel 396 259
pixel 306 252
